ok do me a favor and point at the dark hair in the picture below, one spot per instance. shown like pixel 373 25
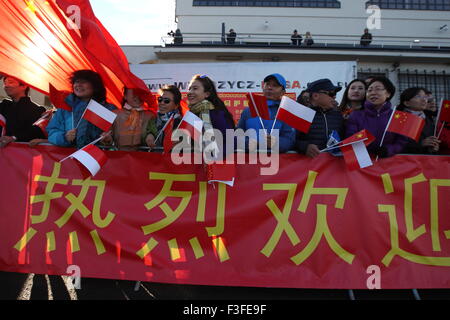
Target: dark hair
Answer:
pixel 209 86
pixel 302 100
pixel 94 79
pixel 174 91
pixel 388 85
pixel 409 94
pixel 344 102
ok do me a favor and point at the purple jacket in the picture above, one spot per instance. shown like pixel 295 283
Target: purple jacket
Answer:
pixel 375 122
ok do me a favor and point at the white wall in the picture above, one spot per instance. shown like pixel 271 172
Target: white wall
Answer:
pixel 349 20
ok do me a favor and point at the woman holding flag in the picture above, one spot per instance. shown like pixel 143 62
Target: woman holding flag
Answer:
pixel 69 128
pixel 375 118
pixel 414 100
pixel 169 114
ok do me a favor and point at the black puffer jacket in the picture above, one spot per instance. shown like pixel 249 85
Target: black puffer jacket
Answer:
pixel 323 124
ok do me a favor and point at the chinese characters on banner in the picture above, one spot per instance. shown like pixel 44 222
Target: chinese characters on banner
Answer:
pixel 313 225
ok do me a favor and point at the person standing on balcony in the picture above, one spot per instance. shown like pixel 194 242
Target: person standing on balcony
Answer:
pixel 309 41
pixel 231 37
pixel 366 38
pixel 178 37
pixel 296 38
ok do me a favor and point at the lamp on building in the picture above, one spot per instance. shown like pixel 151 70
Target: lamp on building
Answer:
pixel 443 28
pixel 416 41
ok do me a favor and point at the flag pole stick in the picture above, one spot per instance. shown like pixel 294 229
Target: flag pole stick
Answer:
pixel 93 142
pixel 344 145
pixel 162 130
pixel 82 115
pixel 387 126
pixel 257 112
pixel 438 115
pixel 442 128
pixel 275 120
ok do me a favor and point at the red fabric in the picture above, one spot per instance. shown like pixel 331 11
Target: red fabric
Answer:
pixel 40 44
pixel 167 142
pixel 96 153
pixel 406 124
pixel 444 114
pixel 259 108
pixel 350 156
pixel 57 98
pixel 247 235
pixel 43 121
pixel 361 135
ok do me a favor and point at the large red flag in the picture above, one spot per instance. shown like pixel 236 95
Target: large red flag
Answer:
pixel 57 98
pixel 406 124
pixel 43 42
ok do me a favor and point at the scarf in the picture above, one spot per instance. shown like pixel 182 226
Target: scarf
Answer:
pixel 134 117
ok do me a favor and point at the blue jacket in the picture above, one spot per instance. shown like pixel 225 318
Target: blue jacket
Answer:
pixel 286 132
pixel 64 121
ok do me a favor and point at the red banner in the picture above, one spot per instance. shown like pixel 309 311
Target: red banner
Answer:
pixel 312 225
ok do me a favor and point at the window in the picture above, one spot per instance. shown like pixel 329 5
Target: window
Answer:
pixel 270 3
pixel 411 4
pixel 437 82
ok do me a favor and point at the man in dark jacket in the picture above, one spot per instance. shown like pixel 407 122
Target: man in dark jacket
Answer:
pixel 366 38
pixel 20 113
pixel 322 98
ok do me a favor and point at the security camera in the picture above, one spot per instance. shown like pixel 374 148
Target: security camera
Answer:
pixel 443 28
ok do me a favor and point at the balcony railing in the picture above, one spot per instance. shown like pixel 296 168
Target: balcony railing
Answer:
pixel 320 41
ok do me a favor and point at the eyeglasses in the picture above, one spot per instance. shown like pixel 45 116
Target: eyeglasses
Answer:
pixel 421 97
pixel 165 100
pixel 331 94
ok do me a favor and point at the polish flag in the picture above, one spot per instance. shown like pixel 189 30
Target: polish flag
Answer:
pixel 99 116
pixel 57 98
pixel 193 124
pixel 3 125
pixel 91 157
pixel 258 106
pixel 355 152
pixel 43 121
pixel 295 114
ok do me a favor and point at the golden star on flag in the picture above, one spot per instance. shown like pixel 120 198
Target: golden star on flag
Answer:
pixel 30 5
pixel 360 135
pixel 397 116
pixel 447 106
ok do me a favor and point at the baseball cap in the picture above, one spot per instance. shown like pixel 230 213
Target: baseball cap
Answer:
pixel 322 84
pixel 278 77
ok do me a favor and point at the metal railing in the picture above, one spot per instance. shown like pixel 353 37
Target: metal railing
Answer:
pixel 216 39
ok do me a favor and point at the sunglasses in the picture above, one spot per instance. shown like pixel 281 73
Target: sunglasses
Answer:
pixel 165 100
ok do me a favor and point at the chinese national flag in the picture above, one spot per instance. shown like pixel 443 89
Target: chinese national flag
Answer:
pixel 406 124
pixel 444 114
pixel 168 129
pixel 258 106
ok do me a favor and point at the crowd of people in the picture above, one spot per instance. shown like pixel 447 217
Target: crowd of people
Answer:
pixel 366 104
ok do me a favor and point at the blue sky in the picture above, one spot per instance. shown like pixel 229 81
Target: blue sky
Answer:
pixel 136 22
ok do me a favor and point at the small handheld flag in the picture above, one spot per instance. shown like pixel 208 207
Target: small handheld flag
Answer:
pixel 295 115
pixel 406 124
pixel 98 115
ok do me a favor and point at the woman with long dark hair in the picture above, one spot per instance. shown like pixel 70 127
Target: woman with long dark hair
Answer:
pixel 67 128
pixel 353 98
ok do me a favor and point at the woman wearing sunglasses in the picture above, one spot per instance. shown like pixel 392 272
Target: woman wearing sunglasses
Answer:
pixel 128 130
pixel 169 104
